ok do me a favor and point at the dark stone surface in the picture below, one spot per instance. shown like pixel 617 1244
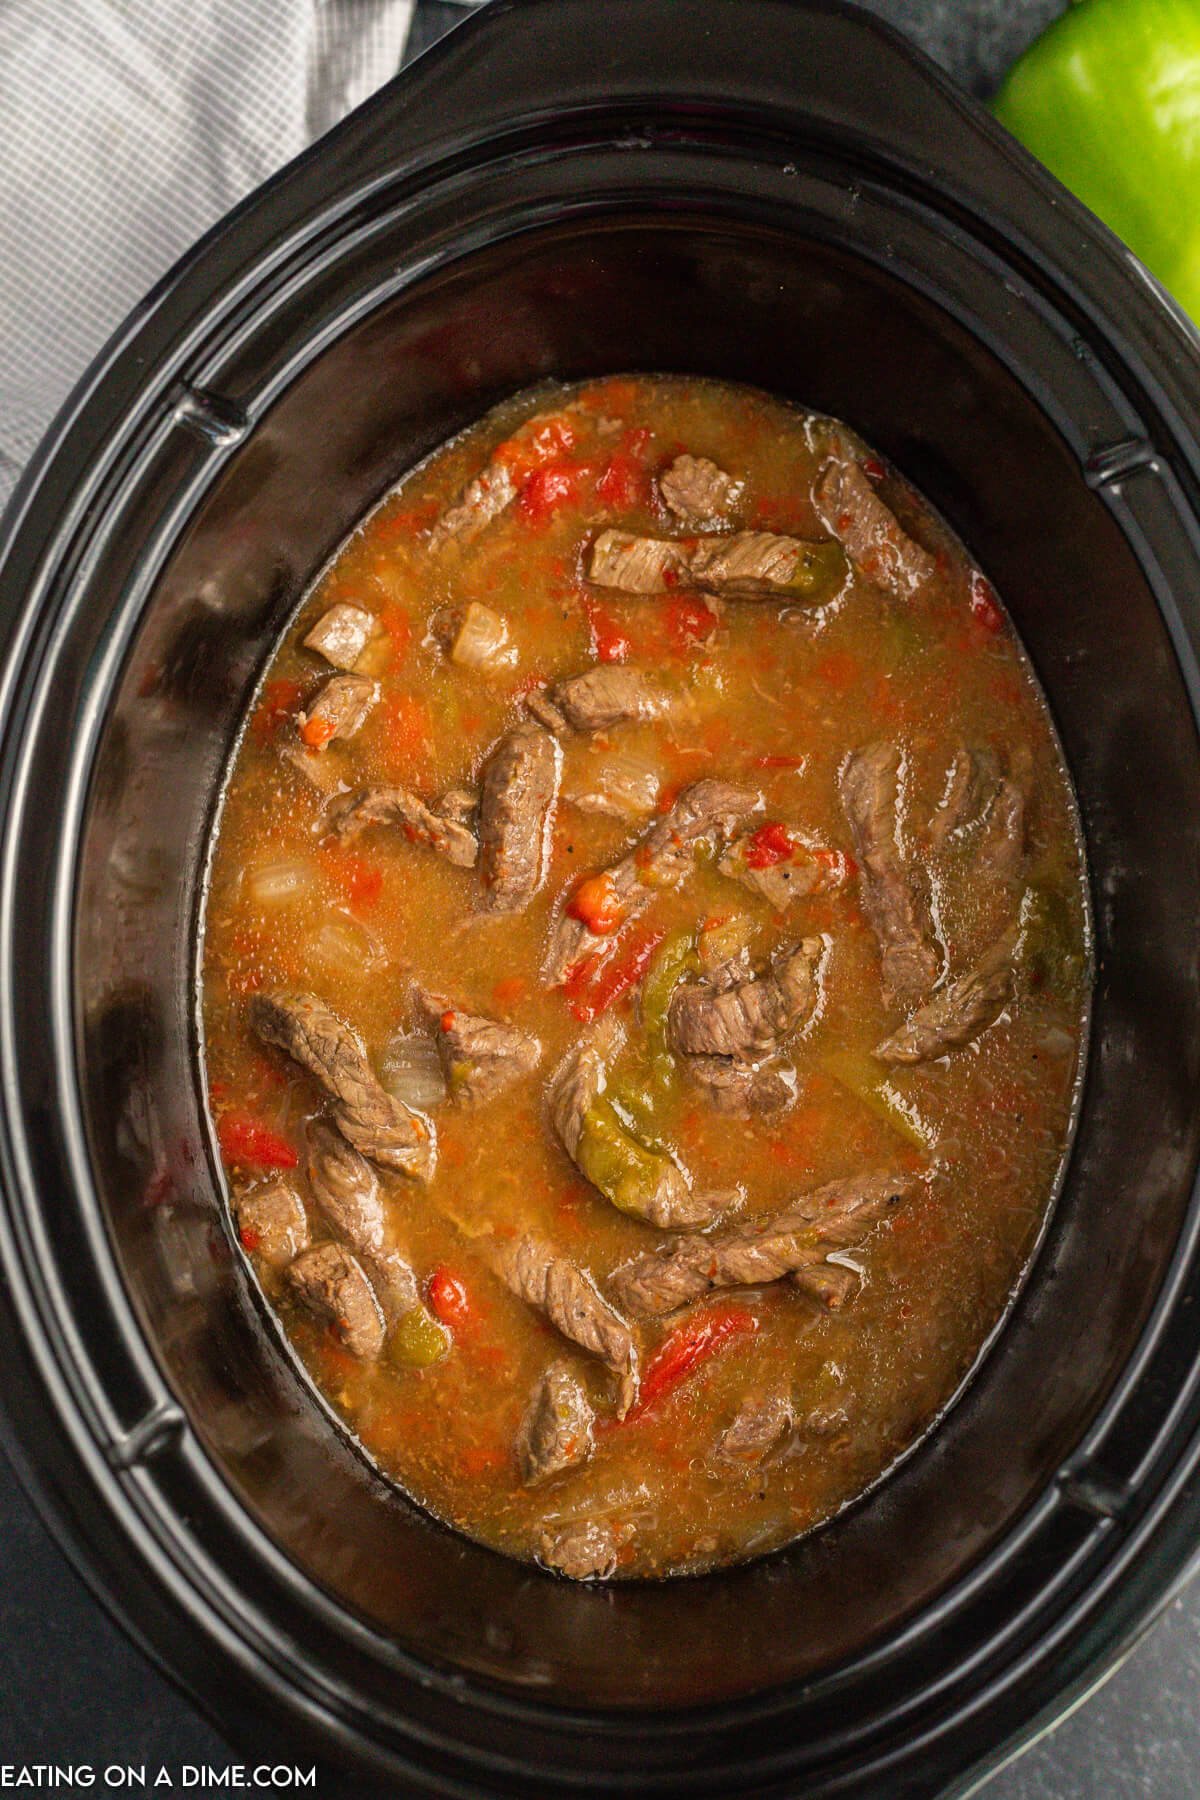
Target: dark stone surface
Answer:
pixel 72 1688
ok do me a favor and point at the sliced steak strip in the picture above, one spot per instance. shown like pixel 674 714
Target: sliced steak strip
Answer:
pixel 831 1285
pixel 572 1302
pixel 608 695
pixel 342 634
pixel 346 1188
pixel 830 1218
pixel 556 1431
pixel 762 1427
pixel 972 777
pixel 516 814
pixel 480 1057
pixel 743 1089
pixel 645 1183
pixel 331 1284
pixel 746 1016
pixel 396 806
pixel 382 1127
pixel 497 484
pixel 323 772
pixel 706 813
pixel 870 532
pixel 870 791
pixel 1000 855
pixel 700 494
pixel 749 565
pixel 586 1550
pixel 958 1012
pixel 782 867
pixel 272 1223
pixel 338 710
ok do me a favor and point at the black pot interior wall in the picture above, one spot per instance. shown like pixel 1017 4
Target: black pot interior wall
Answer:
pixel 838 333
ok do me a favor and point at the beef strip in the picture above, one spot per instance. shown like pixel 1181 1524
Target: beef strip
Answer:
pixel 459 806
pixel 972 777
pixel 323 772
pixel 586 1550
pixel 338 710
pixel 762 1427
pixel 749 565
pixel 540 707
pixel 899 915
pixel 494 488
pixel 869 531
pixel 516 815
pixel 745 1013
pixel 830 1218
pixel 700 494
pixel 342 634
pixel 480 1057
pixel 447 837
pixel 377 1124
pixel 272 1223
pixel 708 812
pixel 999 856
pixel 795 876
pixel 346 1188
pixel 743 1089
pixel 556 1432
pixel 831 1285
pixel 331 1284
pixel 645 1183
pixel 571 1301
pixel 958 1012
pixel 608 695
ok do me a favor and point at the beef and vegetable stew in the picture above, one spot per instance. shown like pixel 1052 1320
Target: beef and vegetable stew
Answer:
pixel 645 975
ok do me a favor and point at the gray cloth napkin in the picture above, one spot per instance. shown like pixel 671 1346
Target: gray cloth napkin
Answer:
pixel 127 128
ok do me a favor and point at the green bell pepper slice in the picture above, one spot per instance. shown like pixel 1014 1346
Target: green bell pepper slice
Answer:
pixel 1109 99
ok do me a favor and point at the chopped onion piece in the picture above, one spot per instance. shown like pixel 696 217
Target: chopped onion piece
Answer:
pixel 344 946
pixel 475 637
pixel 624 785
pixel 411 1070
pixel 279 883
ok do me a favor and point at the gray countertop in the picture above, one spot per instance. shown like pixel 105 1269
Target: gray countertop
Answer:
pixel 73 1689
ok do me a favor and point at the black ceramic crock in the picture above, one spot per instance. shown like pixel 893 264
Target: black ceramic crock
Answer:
pixel 775 192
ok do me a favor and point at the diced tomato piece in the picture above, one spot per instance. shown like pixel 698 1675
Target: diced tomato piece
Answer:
pixel 689 1345
pixel 280 698
pixel 985 607
pixel 251 1239
pixel 448 1298
pixel 610 641
pixel 770 844
pixel 596 904
pixel 690 620
pixel 532 447
pixel 624 483
pixel 317 732
pixel 249 1141
pixel 600 981
pixel 447 1021
pixel 547 490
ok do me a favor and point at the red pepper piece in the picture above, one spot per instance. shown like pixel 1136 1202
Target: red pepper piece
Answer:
pixel 593 987
pixel 596 904
pixel 449 1300
pixel 250 1142
pixel 770 844
pixel 690 1344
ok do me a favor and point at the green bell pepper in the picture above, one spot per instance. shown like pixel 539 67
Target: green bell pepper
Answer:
pixel 1109 99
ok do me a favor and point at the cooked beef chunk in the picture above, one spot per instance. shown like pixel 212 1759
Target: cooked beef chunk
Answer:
pixel 483 499
pixel 332 1285
pixel 572 1302
pixel 781 875
pixel 746 1013
pixel 706 813
pixel 608 695
pixel 586 1550
pixel 869 531
pixel 750 565
pixel 459 806
pixel 831 1285
pixel 540 707
pixel 701 495
pixel 899 915
pixel 636 565
pixel 448 837
pixel 971 779
pixel 342 634
pixel 830 1218
pixel 338 710
pixel 383 1128
pixel 346 1188
pixel 473 636
pixel 958 1012
pixel 743 1089
pixel 556 1431
pixel 1000 854
pixel 516 814
pixel 762 1427
pixel 645 1183
pixel 272 1223
pixel 480 1057
pixel 323 772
